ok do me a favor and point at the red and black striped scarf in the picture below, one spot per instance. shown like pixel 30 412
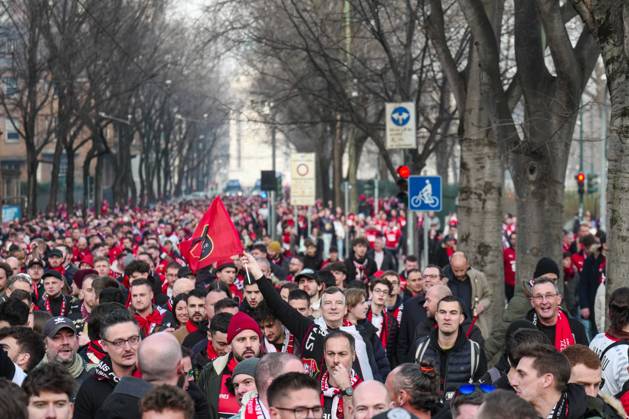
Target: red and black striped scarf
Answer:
pixel 384 333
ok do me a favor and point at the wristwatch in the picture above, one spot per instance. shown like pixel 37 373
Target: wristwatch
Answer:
pixel 349 391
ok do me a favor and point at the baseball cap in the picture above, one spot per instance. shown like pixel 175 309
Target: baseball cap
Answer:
pixel 225 263
pixel 55 252
pixel 307 272
pixel 55 324
pixel 54 273
pixel 35 262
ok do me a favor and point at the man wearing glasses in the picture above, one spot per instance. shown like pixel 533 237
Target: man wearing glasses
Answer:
pixel 385 324
pixel 120 337
pixel 548 317
pixel 294 396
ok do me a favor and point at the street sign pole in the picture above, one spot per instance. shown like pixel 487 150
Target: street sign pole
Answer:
pixel 425 249
pixel 272 215
pixel 410 232
pixel 346 184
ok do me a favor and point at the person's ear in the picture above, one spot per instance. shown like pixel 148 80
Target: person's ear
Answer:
pixel 548 380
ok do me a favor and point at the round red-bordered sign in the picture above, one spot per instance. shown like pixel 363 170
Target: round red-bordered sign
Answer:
pixel 302 169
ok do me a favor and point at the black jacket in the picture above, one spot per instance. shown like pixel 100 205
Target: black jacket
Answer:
pixel 370 269
pixel 589 280
pixel 308 334
pixel 123 402
pixel 455 364
pixel 412 315
pixel 377 355
pixel 388 262
pixel 91 396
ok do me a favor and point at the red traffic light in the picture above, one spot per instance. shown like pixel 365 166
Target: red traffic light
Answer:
pixel 580 177
pixel 403 171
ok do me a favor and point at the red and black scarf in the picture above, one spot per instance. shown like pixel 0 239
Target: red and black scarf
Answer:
pixel 331 397
pixel 384 332
pixel 563 332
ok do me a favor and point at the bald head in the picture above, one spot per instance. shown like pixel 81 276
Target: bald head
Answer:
pixel 370 398
pixel 159 357
pixel 273 365
pixel 183 286
pixel 433 296
pixel 459 265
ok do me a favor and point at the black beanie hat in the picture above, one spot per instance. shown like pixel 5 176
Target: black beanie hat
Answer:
pixel 546 266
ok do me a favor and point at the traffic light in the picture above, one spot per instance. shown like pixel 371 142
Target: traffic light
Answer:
pixel 592 183
pixel 580 177
pixel 403 173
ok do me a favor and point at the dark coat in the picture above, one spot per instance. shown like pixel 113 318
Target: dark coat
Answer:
pixel 412 315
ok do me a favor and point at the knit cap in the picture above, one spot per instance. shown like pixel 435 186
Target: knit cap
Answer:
pixel 239 322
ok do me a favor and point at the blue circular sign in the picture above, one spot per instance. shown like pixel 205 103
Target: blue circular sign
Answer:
pixel 400 116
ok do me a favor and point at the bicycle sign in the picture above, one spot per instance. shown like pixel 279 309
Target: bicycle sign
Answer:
pixel 424 193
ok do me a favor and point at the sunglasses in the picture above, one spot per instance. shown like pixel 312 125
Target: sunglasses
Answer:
pixel 467 389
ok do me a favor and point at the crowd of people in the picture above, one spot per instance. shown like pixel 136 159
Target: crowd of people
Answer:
pixel 101 317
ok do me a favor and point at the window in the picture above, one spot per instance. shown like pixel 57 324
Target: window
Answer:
pixel 9 84
pixel 11 134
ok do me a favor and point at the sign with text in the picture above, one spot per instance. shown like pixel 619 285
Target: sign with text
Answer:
pixel 302 179
pixel 400 125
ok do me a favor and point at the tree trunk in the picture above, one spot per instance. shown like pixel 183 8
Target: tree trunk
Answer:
pixel 337 164
pixel 70 179
pixel 539 186
pixel 98 185
pixel 480 193
pixel 442 155
pixel 32 166
pixel 608 20
pixel 354 150
pixel 54 177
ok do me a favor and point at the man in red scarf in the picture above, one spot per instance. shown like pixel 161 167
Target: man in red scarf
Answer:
pixel 548 317
pixel 196 327
pixel 339 380
pixel 245 337
pixel 150 318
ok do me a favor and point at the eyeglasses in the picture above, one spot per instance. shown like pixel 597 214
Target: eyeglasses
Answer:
pixel 467 389
pixel 431 276
pixel 380 291
pixel 302 412
pixel 540 298
pixel 120 343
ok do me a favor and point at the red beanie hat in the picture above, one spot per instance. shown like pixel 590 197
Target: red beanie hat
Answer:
pixel 239 322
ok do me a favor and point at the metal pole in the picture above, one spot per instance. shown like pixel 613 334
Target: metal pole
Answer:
pixel 272 215
pixel 425 249
pixel 309 224
pixel 410 232
pixel 272 195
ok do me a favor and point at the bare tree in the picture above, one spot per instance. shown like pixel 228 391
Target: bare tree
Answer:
pixel 28 102
pixel 608 20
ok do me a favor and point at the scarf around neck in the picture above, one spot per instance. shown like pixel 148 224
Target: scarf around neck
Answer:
pixel 563 332
pixel 336 411
pixel 75 369
pixel 361 347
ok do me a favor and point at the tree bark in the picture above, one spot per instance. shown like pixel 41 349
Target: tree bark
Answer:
pixel 337 162
pixel 54 176
pixel 32 166
pixel 609 22
pixel 69 178
pixel 480 193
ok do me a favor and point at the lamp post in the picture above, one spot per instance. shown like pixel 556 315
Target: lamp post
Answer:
pixel 268 112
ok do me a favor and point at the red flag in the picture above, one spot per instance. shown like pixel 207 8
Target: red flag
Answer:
pixel 214 239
